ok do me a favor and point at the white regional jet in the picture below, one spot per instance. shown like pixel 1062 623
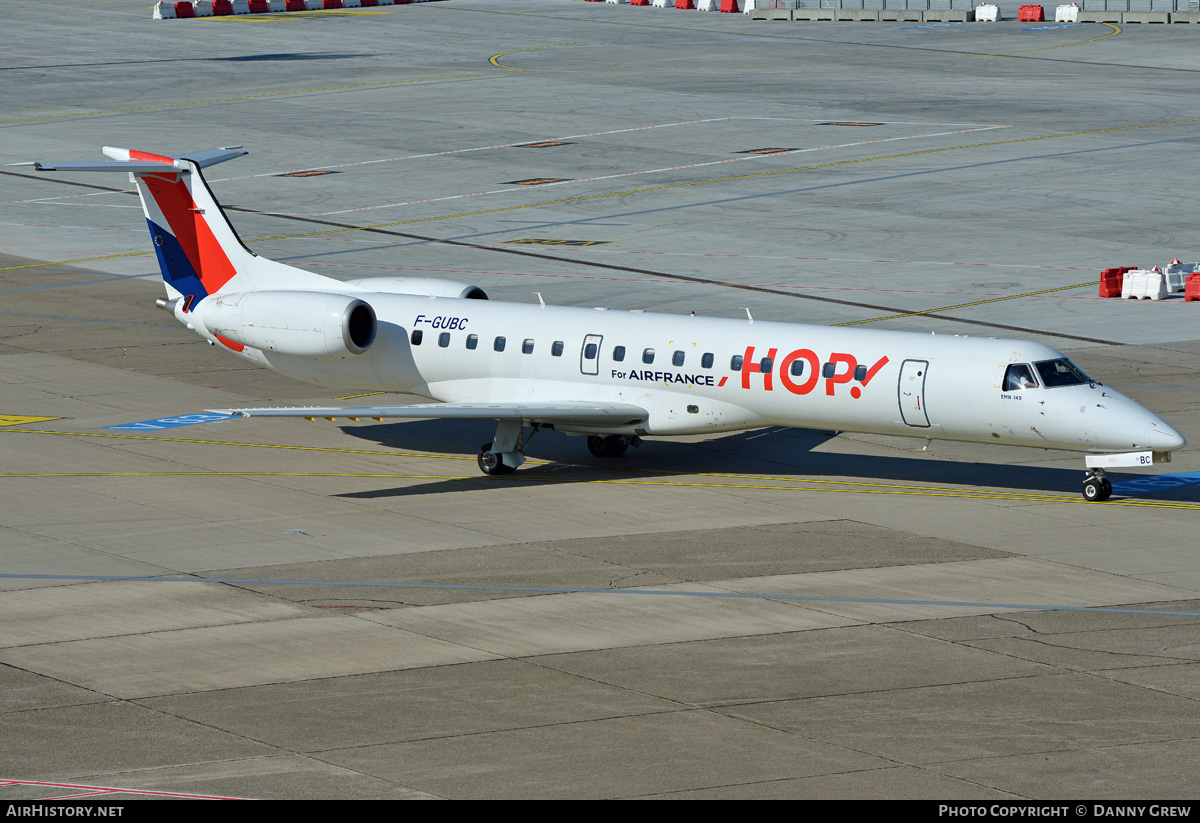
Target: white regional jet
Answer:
pixel 612 376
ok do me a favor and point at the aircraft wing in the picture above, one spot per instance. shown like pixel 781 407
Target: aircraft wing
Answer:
pixel 562 411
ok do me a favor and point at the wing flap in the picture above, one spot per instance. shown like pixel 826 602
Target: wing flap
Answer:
pixel 565 411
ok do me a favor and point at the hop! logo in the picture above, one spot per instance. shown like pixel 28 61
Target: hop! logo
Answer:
pixel 840 368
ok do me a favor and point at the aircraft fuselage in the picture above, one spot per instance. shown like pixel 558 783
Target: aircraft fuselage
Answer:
pixel 706 374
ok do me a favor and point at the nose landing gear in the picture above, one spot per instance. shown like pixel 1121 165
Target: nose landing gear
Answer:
pixel 1097 487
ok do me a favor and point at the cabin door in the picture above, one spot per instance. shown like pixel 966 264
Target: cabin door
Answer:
pixel 589 355
pixel 912 393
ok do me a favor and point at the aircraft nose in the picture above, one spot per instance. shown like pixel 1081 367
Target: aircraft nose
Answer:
pixel 1162 438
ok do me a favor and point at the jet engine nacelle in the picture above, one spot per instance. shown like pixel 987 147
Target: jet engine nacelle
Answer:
pixel 420 286
pixel 297 323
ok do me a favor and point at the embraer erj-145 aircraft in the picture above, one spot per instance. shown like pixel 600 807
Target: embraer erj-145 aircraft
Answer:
pixel 612 376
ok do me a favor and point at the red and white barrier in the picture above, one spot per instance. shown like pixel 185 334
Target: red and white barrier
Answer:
pixel 1066 14
pixel 1192 292
pixel 987 13
pixel 172 9
pixel 1142 284
pixel 1177 273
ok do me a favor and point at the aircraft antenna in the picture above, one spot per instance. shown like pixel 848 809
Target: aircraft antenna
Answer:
pixel 540 300
pixel 749 316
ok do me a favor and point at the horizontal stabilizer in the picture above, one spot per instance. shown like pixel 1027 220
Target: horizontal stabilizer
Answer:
pixel 210 157
pixel 106 165
pixel 130 160
pixel 567 411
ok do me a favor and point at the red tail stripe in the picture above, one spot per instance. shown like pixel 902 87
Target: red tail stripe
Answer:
pixel 134 154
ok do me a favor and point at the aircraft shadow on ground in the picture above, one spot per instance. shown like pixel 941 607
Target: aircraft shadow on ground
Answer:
pixel 765 453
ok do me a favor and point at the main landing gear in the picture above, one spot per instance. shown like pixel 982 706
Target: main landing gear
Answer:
pixel 612 446
pixel 1097 487
pixel 507 450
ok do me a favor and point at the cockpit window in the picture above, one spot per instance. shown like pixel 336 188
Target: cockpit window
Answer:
pixel 1057 373
pixel 1019 376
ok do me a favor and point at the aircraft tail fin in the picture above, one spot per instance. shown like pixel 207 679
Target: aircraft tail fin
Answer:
pixel 198 250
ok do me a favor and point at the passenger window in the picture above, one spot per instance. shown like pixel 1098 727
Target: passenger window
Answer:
pixel 797 368
pixel 677 359
pixel 706 362
pixel 648 356
pixel 499 344
pixel 527 346
pixel 828 370
pixel 472 341
pixel 1018 376
pixel 589 351
pixel 556 348
pixel 618 353
pixel 444 339
pixel 764 365
pixel 416 337
pixel 860 373
pixel 735 363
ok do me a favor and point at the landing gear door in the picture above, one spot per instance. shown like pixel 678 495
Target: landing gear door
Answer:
pixel 589 355
pixel 912 393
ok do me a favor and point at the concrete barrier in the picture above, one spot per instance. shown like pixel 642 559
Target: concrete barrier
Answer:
pixel 859 15
pixel 1145 17
pixel 943 16
pixel 765 14
pixel 1185 17
pixel 1099 17
pixel 813 15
